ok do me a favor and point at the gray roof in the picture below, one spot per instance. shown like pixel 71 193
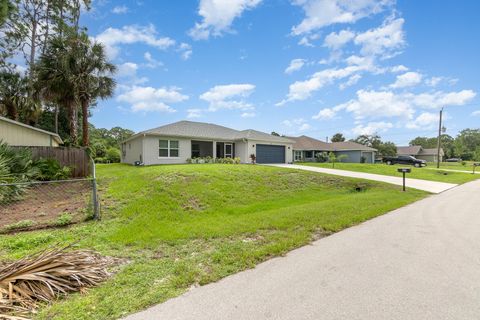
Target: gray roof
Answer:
pixel 350 145
pixel 410 150
pixel 54 135
pixel 202 130
pixel 308 143
pixel 430 152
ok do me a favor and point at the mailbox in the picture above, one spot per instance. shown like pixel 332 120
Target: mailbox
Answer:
pixel 404 170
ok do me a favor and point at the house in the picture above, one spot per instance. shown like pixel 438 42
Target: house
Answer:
pixel 306 149
pixel 427 154
pixel 19 134
pixel 179 141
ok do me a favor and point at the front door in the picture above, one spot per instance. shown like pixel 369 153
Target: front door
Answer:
pixel 228 150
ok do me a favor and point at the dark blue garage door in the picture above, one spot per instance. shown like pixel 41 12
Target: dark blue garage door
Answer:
pixel 270 154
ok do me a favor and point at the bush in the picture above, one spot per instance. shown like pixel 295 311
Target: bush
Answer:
pixel 209 159
pixel 113 155
pixel 50 169
pixel 363 159
pixel 321 157
pixel 64 220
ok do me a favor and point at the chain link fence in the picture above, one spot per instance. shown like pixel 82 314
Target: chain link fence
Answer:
pixel 41 204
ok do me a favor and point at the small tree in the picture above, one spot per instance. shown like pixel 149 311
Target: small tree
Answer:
pixel 338 137
pixel 333 158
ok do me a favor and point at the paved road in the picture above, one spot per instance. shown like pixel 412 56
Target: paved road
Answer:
pixel 430 186
pixel 418 262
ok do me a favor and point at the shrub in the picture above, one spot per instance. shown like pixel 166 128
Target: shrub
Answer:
pixel 50 169
pixel 23 224
pixel 363 159
pixel 63 220
pixel 113 155
pixel 321 157
pixel 464 163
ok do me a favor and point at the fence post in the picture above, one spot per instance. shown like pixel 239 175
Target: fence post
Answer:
pixel 96 208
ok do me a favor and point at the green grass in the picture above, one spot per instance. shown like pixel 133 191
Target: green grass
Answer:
pixel 184 225
pixel 454 165
pixel 418 173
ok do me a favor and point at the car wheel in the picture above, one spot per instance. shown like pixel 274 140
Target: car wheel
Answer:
pixel 389 163
pixel 417 165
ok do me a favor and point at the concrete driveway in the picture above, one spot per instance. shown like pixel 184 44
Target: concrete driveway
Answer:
pixel 430 186
pixel 418 262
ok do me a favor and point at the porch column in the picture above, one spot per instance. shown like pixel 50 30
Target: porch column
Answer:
pixel 214 148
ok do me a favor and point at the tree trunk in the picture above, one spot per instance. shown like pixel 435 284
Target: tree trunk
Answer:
pixel 12 112
pixel 56 118
pixel 85 137
pixel 72 122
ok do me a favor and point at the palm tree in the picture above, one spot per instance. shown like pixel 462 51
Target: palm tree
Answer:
pixel 91 77
pixel 55 81
pixel 12 87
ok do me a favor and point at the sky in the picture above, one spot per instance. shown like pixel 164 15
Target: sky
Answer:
pixel 296 67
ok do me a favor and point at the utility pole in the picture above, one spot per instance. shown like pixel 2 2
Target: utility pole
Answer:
pixel 439 137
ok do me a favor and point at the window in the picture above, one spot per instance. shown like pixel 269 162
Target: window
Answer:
pixel 298 155
pixel 308 154
pixel 168 148
pixel 195 150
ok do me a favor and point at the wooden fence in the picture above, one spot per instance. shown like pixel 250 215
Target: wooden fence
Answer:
pixel 75 158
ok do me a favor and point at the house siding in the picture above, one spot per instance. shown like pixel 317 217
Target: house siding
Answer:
pixel 151 147
pixel 16 135
pixel 132 150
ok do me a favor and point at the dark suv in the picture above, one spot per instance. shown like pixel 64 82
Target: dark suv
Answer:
pixel 405 160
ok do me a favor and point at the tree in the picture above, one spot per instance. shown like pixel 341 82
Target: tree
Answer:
pixel 387 149
pixel 275 134
pixel 466 143
pixel 90 74
pixel 12 88
pixel 6 7
pixel 333 158
pixel 338 137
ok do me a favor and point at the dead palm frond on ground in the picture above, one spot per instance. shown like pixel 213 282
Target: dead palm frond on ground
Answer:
pixel 45 276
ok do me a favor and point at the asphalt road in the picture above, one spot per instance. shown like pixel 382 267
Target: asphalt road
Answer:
pixel 418 262
pixel 425 185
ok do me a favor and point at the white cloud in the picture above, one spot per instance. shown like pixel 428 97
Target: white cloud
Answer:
pixel 113 37
pixel 301 90
pixel 335 41
pixel 186 50
pixel 295 65
pixel 398 68
pixel 231 96
pixel 218 16
pixel 306 40
pixel 194 113
pixel 351 81
pixel 127 69
pixel 407 80
pixel 372 128
pixel 248 115
pixel 151 62
pixel 305 127
pixel 120 9
pixel 384 41
pixel 294 122
pixel 152 99
pixel 437 99
pixel 434 81
pixel 476 113
pixel 425 120
pixel 321 13
pixel 327 113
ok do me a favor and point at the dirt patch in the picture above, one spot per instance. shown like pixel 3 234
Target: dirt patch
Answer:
pixel 43 204
pixel 192 204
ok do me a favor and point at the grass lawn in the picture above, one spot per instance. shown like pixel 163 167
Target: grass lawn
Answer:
pixel 185 225
pixel 454 165
pixel 417 173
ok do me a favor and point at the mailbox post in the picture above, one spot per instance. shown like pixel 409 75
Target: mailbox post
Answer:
pixel 475 165
pixel 404 171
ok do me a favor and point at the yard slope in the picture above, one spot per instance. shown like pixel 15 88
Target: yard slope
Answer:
pixel 184 225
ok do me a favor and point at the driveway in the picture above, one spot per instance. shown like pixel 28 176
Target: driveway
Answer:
pixel 430 186
pixel 421 261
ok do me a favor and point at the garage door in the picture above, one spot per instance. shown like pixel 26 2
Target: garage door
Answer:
pixel 270 154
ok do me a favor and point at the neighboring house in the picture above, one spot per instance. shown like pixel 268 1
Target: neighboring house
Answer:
pixel 306 149
pixel 19 134
pixel 179 141
pixel 429 155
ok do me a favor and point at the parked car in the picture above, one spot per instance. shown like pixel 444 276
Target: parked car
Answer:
pixel 454 160
pixel 405 160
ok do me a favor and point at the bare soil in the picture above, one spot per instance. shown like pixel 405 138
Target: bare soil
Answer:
pixel 44 203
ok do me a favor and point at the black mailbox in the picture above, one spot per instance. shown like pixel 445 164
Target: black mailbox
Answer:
pixel 404 170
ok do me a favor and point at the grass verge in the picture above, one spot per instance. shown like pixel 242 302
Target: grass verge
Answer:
pixel 417 173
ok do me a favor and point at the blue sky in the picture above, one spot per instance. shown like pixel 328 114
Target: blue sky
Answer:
pixel 312 67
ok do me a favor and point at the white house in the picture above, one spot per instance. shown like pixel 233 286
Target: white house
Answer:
pixel 179 141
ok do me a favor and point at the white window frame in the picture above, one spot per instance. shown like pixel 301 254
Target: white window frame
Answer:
pixel 299 153
pixel 169 148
